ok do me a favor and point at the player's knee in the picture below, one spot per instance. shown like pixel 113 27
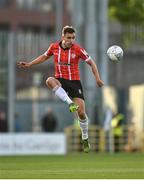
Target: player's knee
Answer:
pixel 52 82
pixel 49 81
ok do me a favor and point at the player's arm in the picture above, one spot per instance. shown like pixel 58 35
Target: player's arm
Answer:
pixel 84 55
pixel 38 60
pixel 95 72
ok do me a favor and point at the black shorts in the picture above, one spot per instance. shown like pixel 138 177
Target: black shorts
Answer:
pixel 72 87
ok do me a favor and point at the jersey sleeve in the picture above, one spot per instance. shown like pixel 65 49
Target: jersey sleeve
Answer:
pixel 84 55
pixel 49 51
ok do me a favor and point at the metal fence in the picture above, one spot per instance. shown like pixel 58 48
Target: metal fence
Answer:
pixel 103 141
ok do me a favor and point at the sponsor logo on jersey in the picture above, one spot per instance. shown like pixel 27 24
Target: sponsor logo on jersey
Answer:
pixel 65 64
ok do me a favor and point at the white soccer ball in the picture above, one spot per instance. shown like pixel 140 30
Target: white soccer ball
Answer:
pixel 115 53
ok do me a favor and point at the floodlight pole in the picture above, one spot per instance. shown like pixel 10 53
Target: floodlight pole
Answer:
pixel 102 37
pixel 91 47
pixel 11 82
pixel 96 42
pixel 59 18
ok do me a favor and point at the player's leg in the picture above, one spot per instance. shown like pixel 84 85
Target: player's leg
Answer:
pixel 55 86
pixel 83 121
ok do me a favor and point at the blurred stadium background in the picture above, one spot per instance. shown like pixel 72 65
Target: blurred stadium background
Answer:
pixel 27 27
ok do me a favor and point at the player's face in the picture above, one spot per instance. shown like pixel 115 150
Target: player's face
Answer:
pixel 68 39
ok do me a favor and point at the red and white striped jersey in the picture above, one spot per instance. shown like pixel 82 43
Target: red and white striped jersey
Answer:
pixel 66 60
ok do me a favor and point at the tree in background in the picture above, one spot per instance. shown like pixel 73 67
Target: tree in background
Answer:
pixel 130 14
pixel 127 11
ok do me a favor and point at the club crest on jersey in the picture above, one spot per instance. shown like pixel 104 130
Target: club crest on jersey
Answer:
pixel 73 56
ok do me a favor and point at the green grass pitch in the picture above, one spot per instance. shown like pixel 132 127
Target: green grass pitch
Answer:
pixel 74 166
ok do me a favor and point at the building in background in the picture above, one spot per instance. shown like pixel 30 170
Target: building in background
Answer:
pixel 27 27
pixel 34 24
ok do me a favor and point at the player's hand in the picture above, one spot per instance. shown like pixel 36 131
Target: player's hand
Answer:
pixel 23 64
pixel 100 83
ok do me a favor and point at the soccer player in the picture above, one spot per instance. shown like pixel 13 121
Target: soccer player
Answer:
pixel 66 83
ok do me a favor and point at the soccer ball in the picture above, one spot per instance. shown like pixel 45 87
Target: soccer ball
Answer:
pixel 115 53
